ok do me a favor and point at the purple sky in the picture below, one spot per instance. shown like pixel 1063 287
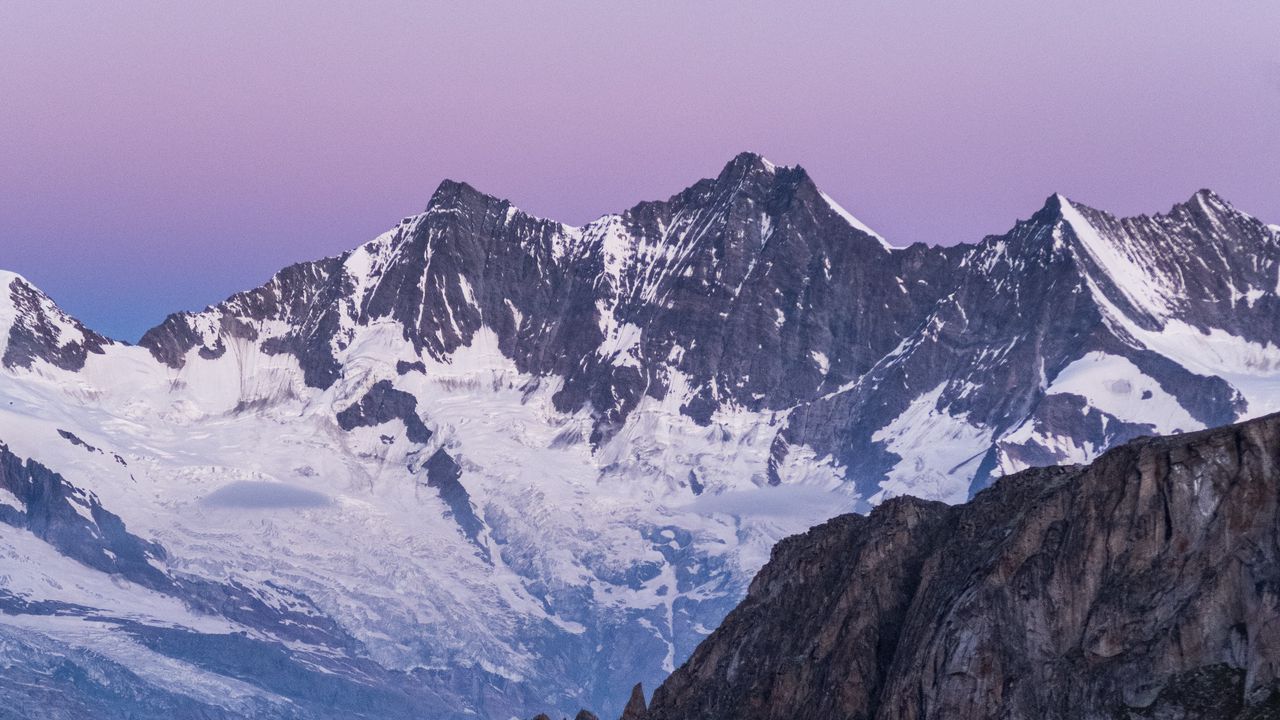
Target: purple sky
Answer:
pixel 160 156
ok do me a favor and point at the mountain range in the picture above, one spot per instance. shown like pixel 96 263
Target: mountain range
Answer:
pixel 489 464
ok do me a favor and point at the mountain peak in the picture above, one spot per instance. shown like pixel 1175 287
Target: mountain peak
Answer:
pixel 1056 203
pixel 1054 209
pixel 15 282
pixel 748 159
pixel 1208 195
pixel 1209 201
pixel 1058 207
pixel 750 164
pixel 749 168
pixel 455 193
pixel 14 286
pixel 33 327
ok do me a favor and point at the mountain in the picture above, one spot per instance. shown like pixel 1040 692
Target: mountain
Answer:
pixel 735 288
pixel 36 330
pixel 491 464
pixel 1071 333
pixel 1140 586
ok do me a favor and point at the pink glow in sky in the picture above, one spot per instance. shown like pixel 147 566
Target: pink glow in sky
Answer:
pixel 158 156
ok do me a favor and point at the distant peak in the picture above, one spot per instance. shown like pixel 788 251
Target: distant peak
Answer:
pixel 1056 202
pixel 1077 215
pixel 754 159
pixel 1060 207
pixel 455 196
pixel 749 163
pixel 1209 200
pixel 7 277
pixel 752 169
pixel 47 332
pixel 452 193
pixel 1054 209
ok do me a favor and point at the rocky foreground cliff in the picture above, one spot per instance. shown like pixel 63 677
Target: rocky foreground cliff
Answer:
pixel 1145 585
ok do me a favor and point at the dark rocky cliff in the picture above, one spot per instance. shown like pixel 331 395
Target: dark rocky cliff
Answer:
pixel 1145 585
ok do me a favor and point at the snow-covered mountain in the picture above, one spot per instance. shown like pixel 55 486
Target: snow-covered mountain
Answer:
pixel 489 463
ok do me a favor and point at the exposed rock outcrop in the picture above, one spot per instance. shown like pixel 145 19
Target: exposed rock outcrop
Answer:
pixel 37 330
pixel 383 403
pixel 1145 585
pixel 635 709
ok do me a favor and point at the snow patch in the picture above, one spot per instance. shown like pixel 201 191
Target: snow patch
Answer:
pixel 1122 263
pixel 940 452
pixel 8 498
pixel 1116 386
pixel 1251 368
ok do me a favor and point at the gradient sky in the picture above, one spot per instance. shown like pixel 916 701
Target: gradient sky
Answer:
pixel 159 156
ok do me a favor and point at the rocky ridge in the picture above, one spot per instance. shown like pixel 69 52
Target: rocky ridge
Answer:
pixel 1143 585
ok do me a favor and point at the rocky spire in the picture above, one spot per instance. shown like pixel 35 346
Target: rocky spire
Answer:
pixel 635 709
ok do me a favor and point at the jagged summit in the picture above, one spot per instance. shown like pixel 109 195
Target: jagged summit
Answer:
pixel 1058 206
pixel 749 168
pixel 742 168
pixel 1056 201
pixel 457 197
pixel 33 329
pixel 1207 200
pixel 747 161
pixel 453 193
pixel 746 175
pixel 1206 196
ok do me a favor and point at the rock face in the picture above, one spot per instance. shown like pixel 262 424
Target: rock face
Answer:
pixel 383 403
pixel 1145 585
pixel 635 709
pixel 73 521
pixel 39 331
